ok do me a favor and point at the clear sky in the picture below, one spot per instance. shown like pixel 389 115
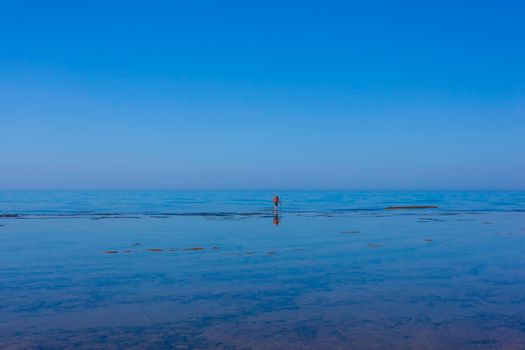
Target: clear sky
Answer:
pixel 262 94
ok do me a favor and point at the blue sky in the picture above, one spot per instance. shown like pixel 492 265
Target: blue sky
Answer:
pixel 262 94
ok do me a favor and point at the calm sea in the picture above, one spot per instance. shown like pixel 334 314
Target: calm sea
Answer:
pixel 222 270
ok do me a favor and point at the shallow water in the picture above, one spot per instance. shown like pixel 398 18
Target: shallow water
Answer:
pixel 163 269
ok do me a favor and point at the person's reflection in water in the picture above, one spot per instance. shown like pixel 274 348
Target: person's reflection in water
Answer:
pixel 276 219
pixel 276 202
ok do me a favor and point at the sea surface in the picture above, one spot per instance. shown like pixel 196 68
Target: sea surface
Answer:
pixel 223 270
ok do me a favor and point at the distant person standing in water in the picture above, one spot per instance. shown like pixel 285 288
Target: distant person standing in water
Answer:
pixel 276 202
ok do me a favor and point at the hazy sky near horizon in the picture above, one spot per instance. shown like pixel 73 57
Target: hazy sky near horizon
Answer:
pixel 262 94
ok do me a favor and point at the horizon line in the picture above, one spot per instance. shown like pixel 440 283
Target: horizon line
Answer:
pixel 272 190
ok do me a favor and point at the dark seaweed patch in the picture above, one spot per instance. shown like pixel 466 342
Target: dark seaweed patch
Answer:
pixel 423 219
pixel 400 207
pixel 350 232
pixel 374 245
pixel 483 342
